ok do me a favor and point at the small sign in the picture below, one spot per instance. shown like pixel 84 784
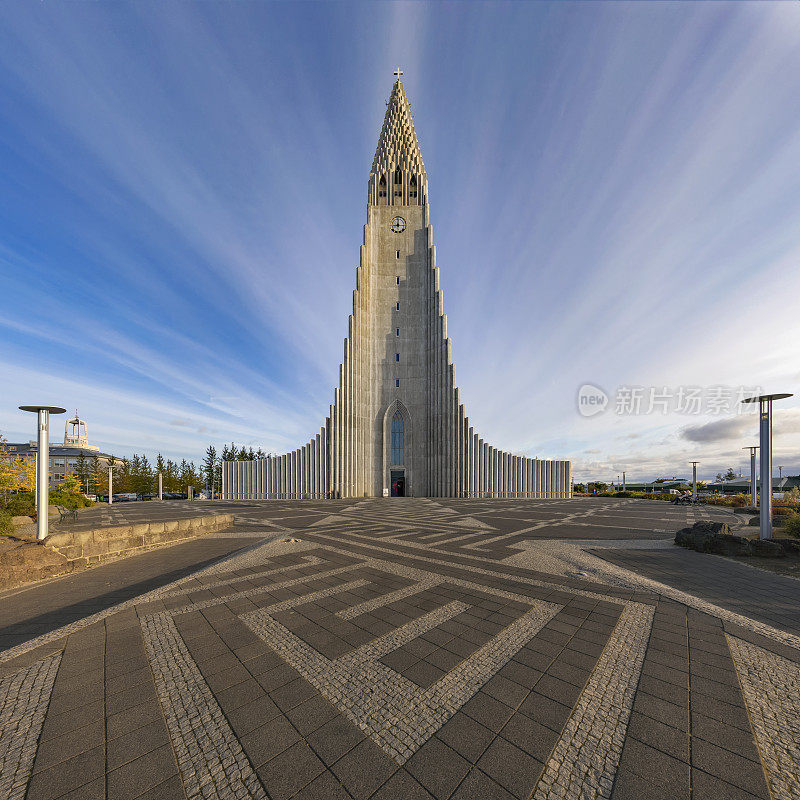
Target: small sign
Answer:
pixel 385 492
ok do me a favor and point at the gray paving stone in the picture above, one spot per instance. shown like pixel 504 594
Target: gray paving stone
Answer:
pixel 399 638
pixel 438 768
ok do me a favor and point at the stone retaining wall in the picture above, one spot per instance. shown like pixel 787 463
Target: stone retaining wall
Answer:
pixel 100 544
pixel 63 553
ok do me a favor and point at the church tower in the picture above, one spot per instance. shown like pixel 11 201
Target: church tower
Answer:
pixel 394 317
pixel 397 425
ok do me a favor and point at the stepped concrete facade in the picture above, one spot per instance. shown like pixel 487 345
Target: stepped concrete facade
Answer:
pixel 397 425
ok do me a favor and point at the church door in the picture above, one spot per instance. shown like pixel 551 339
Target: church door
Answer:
pixel 398 483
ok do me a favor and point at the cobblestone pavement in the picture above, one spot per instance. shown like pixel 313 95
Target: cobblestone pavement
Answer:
pixel 403 649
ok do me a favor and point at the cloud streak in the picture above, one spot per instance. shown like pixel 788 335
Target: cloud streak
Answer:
pixel 614 195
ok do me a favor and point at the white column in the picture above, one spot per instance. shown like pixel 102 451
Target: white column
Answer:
pixel 487 468
pixel 474 461
pixel 323 464
pixel 319 459
pixel 481 465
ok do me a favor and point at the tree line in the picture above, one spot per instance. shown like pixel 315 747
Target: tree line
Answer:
pixel 212 464
pixel 136 474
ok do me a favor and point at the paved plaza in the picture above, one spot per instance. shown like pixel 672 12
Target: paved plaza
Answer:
pixel 409 648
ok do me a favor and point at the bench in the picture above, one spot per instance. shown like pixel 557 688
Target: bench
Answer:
pixel 67 513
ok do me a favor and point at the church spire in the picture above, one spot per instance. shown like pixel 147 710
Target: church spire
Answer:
pixel 398 158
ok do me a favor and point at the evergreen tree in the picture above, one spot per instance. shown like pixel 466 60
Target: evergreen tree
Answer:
pixel 96 475
pixel 160 464
pixel 251 456
pixel 146 477
pixel 171 482
pixel 82 472
pixel 122 476
pixel 184 476
pixel 241 454
pixel 260 453
pixel 209 467
pixel 141 475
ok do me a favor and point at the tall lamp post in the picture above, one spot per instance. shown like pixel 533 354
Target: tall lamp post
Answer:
pixel 765 442
pixel 43 465
pixel 694 479
pixel 753 484
pixel 111 468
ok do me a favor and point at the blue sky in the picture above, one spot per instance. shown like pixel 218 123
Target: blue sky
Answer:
pixel 614 188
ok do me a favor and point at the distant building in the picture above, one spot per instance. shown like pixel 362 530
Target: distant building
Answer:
pixel 654 487
pixel 64 458
pixel 742 485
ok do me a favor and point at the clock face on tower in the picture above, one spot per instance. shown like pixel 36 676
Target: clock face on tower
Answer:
pixel 398 224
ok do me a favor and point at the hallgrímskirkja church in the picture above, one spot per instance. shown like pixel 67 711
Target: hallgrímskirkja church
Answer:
pixel 397 425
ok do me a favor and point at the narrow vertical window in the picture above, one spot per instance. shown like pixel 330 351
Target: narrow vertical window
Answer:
pixel 397 278
pixel 397 438
pixel 397 253
pixel 397 332
pixel 397 306
pixel 397 383
pixel 397 356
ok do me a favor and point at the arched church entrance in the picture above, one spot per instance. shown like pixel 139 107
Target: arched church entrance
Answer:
pixel 397 472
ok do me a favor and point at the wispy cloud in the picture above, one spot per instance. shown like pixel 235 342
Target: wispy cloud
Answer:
pixel 614 194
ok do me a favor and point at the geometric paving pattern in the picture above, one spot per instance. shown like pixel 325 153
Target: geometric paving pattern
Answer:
pixel 401 650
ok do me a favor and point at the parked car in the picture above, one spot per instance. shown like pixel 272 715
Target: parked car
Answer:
pixel 125 497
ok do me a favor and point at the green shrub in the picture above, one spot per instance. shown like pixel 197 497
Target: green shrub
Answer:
pixel 792 526
pixel 792 496
pixel 68 494
pixel 20 504
pixel 5 522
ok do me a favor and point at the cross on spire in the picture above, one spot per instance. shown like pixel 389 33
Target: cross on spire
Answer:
pixel 398 72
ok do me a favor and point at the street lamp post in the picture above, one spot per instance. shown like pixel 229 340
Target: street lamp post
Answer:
pixel 753 484
pixel 43 465
pixel 694 479
pixel 765 441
